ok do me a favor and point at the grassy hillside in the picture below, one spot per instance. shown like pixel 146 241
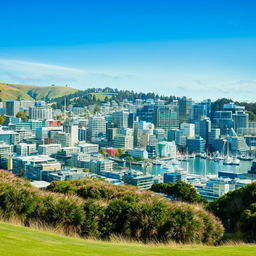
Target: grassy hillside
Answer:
pixel 20 241
pixel 28 92
pixel 102 95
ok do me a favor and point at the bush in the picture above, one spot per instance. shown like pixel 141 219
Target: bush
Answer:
pixel 181 191
pixel 237 211
pixel 102 209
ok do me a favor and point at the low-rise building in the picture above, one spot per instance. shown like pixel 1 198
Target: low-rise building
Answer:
pixel 138 153
pixel 138 179
pixel 26 149
pixel 88 148
pixel 32 167
pixel 49 149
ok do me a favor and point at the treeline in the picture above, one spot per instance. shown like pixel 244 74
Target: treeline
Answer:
pixel 237 211
pixel 95 208
pixel 180 191
pixel 87 97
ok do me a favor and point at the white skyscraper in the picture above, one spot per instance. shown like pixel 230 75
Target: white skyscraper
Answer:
pixel 96 128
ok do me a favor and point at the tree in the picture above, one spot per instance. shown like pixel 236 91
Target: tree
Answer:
pixel 59 117
pixel 103 152
pixel 2 119
pixel 22 115
pixel 121 152
pixel 179 191
pixel 96 109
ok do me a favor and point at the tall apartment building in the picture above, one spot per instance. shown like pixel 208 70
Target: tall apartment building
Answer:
pixel 40 113
pixel 205 128
pixel 185 109
pixel 241 120
pixel 223 120
pixel 73 131
pixel 12 107
pixel 121 119
pixel 188 130
pixel 96 128
pixel 165 118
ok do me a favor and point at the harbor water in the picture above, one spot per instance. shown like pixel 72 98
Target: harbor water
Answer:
pixel 200 166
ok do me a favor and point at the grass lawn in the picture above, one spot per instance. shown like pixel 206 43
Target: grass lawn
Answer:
pixel 17 241
pixel 102 95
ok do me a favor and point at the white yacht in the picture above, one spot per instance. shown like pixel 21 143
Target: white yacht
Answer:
pixel 228 161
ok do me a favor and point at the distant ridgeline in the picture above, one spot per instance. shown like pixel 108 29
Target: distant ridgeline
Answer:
pixel 97 95
pixel 31 92
pixel 60 95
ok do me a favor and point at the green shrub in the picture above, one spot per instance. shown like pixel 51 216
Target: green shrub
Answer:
pixel 95 208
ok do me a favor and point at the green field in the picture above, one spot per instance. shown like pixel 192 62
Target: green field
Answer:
pixel 16 241
pixel 102 95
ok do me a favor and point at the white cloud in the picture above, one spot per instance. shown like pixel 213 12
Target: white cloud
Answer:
pixel 175 82
pixel 24 72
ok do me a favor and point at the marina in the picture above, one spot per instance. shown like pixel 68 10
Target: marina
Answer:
pixel 198 166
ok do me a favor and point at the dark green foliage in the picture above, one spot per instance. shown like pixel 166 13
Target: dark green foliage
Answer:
pixel 102 209
pixel 87 97
pixel 181 191
pixel 23 116
pixel 236 210
pixel 2 119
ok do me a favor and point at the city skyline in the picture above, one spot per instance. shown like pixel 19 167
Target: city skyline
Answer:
pixel 200 50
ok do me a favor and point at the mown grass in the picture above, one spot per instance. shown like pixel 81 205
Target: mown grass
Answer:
pixel 21 241
pixel 102 95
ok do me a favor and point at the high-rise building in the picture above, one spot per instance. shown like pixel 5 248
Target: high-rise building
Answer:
pixel 205 128
pixel 241 120
pixel 202 109
pixel 82 134
pixel 121 119
pixel 188 130
pixel 40 113
pixel 96 128
pixel 223 120
pixel 165 118
pixel 185 109
pixel 214 134
pixel 12 107
pixel 73 131
pixel 160 134
pixel 146 113
pixel 131 119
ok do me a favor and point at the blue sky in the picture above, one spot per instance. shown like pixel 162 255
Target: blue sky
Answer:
pixel 196 48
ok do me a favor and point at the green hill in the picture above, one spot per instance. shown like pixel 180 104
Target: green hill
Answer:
pixel 21 241
pixel 29 92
